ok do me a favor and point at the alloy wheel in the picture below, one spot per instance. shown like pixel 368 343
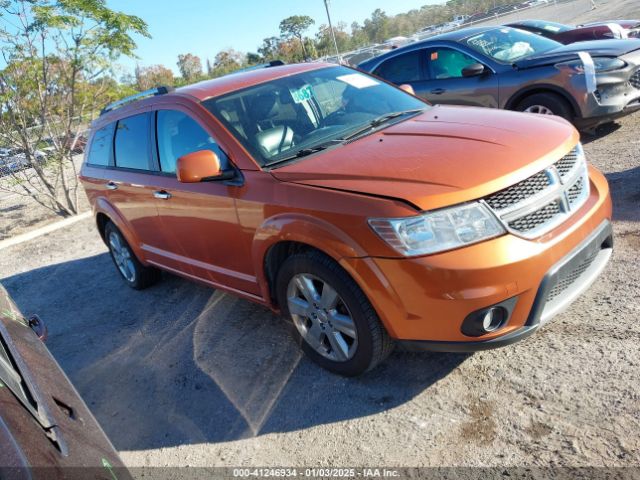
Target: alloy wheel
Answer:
pixel 321 317
pixel 122 256
pixel 539 109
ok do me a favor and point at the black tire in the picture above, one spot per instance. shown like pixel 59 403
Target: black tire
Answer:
pixel 141 277
pixel 555 103
pixel 373 343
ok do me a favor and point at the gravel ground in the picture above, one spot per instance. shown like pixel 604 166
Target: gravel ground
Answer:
pixel 183 375
pixel 575 12
pixel 19 214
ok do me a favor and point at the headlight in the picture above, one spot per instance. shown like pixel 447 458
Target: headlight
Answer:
pixel 604 64
pixel 601 64
pixel 439 230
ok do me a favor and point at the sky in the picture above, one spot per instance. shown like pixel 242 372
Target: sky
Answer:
pixel 204 27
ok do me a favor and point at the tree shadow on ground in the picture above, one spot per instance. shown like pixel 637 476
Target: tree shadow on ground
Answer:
pixel 181 364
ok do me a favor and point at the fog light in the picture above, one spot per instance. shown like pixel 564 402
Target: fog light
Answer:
pixel 488 319
pixel 492 319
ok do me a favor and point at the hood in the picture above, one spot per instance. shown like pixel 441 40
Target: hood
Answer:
pixel 595 48
pixel 444 156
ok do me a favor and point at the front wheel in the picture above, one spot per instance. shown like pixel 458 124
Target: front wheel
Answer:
pixel 332 319
pixel 546 104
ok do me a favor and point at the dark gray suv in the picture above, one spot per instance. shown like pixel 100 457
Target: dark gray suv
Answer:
pixel 503 67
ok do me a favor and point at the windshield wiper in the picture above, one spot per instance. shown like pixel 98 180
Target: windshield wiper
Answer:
pixel 376 122
pixel 303 152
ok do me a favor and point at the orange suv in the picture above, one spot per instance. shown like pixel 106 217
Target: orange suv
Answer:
pixel 364 215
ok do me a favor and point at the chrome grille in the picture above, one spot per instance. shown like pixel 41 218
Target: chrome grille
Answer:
pixel 573 194
pixel 635 79
pixel 567 163
pixel 519 192
pixel 539 217
pixel 538 204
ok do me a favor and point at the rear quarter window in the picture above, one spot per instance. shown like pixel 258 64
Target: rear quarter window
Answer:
pixel 132 142
pixel 100 149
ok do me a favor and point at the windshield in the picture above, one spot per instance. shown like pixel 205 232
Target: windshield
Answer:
pixel 551 27
pixel 293 115
pixel 507 45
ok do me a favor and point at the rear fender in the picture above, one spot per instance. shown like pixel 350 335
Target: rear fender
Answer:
pixel 103 206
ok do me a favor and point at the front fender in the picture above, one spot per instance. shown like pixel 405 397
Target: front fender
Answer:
pixel 300 228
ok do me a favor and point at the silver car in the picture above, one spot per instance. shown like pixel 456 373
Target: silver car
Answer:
pixel 502 67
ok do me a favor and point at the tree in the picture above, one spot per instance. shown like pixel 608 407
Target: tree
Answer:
pixel 270 47
pixel 324 39
pixel 226 61
pixel 294 27
pixel 59 58
pixel 190 66
pixel 153 76
pixel 254 58
pixel 377 28
pixel 358 36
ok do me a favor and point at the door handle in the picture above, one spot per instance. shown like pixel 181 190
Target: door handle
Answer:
pixel 438 91
pixel 111 185
pixel 162 194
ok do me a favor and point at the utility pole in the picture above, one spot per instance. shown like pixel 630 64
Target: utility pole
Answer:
pixel 335 44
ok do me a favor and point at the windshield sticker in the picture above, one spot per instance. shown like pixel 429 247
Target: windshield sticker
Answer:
pixel 486 46
pixel 303 94
pixel 358 80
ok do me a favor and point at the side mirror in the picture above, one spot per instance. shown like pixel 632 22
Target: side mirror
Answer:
pixel 407 88
pixel 201 166
pixel 473 70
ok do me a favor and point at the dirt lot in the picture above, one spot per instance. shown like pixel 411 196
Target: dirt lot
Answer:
pixel 182 375
pixel 576 12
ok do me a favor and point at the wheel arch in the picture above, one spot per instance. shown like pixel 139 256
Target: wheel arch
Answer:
pixel 284 235
pixel 105 212
pixel 520 95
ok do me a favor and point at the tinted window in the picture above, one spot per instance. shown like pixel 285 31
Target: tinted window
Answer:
pixel 179 134
pixel 132 142
pixel 448 63
pixel 100 150
pixel 402 69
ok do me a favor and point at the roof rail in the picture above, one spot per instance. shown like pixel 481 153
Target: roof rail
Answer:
pixel 272 63
pixel 138 96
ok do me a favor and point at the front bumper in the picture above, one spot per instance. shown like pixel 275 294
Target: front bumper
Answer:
pixel 616 95
pixel 423 301
pixel 565 282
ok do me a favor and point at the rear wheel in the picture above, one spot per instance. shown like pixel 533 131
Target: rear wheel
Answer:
pixel 546 104
pixel 135 274
pixel 332 320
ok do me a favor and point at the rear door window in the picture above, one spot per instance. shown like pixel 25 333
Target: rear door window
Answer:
pixel 179 134
pixel 100 150
pixel 404 68
pixel 132 143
